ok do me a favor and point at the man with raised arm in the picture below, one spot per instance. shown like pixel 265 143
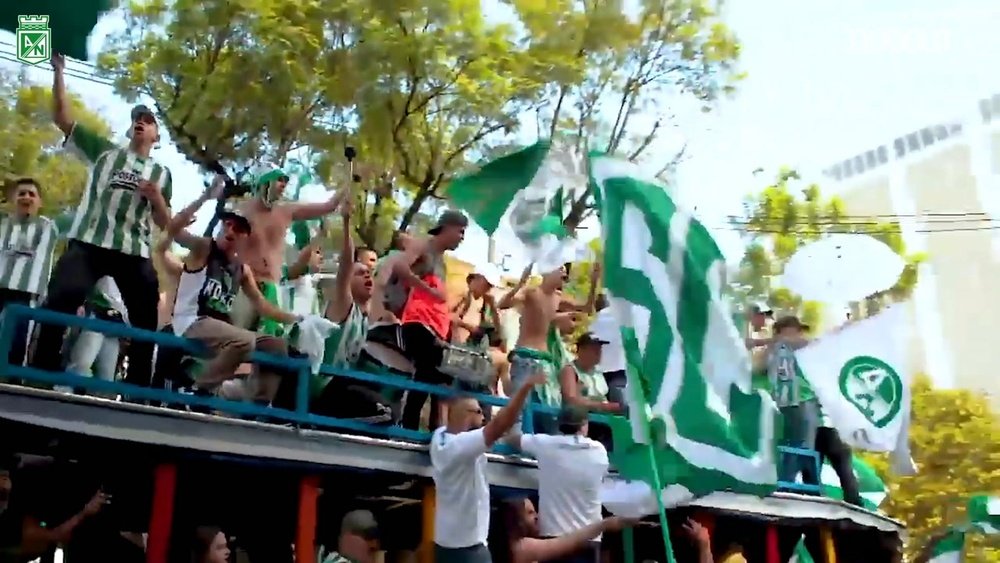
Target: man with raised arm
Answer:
pixel 347 305
pixel 545 314
pixel 264 250
pixel 127 192
pixel 458 466
pixel 419 284
pixel 211 277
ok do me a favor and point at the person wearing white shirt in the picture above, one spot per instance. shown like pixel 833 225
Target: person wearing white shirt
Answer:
pixel 605 327
pixel 571 468
pixel 96 349
pixel 458 466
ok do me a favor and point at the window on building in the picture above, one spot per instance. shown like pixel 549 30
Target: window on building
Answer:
pixel 883 154
pixel 954 129
pixel 926 136
pixel 940 132
pixel 848 169
pixel 912 142
pixel 985 110
pixel 836 172
pixel 900 147
pixel 870 160
pixel 859 164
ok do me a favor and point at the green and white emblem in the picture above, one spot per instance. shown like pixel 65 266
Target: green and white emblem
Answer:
pixel 873 387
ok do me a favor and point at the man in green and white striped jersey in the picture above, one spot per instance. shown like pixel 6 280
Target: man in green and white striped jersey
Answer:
pixel 126 193
pixel 27 241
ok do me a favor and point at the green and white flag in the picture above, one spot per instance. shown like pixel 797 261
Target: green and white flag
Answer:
pixel 689 394
pixel 984 514
pixel 949 549
pixel 525 191
pixel 860 376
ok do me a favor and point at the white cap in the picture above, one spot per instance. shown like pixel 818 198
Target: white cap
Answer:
pixel 490 272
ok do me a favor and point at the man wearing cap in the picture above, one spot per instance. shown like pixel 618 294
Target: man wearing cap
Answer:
pixel 264 250
pixel 208 284
pixel 581 382
pixel 486 321
pixel 358 541
pixel 483 330
pixel 571 468
pixel 127 192
pixel 794 397
pixel 425 318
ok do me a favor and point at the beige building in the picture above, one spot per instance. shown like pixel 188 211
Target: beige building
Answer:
pixel 942 181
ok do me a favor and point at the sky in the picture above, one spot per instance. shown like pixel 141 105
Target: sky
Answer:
pixel 826 79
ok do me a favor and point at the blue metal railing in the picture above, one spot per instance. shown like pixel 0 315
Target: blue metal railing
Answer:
pixel 813 457
pixel 299 416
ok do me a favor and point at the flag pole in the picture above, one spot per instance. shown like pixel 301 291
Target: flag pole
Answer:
pixel 658 492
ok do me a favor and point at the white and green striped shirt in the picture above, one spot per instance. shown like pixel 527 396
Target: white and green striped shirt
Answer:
pixel 332 557
pixel 112 214
pixel 26 247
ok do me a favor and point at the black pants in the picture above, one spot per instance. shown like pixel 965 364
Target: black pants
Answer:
pixel 19 346
pixel 425 350
pixel 75 275
pixel 830 446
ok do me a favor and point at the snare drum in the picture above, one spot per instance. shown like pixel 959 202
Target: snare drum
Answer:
pixel 467 364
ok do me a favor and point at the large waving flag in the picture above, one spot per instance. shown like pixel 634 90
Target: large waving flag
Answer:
pixel 690 398
pixel 860 376
pixel 528 191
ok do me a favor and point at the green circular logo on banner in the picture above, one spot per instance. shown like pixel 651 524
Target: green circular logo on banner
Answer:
pixel 873 387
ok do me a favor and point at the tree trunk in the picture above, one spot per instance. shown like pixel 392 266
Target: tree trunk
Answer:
pixel 423 193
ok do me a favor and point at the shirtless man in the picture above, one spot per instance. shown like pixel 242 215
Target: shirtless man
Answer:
pixel 264 250
pixel 545 314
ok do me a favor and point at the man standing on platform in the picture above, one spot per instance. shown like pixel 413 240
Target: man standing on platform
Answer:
pixel 126 193
pixel 458 465
pixel 571 468
pixel 264 250
pixel 27 241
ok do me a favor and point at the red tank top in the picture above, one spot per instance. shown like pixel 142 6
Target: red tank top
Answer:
pixel 422 307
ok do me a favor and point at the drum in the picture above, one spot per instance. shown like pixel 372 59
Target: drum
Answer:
pixel 466 364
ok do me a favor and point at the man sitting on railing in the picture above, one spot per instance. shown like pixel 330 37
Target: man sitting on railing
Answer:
pixel 208 285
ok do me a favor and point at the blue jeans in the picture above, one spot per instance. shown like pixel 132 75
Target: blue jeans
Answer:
pixel 521 368
pixel 800 423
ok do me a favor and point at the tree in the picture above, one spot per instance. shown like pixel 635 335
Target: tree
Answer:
pixel 30 143
pixel 611 68
pixel 784 216
pixel 955 438
pixel 421 89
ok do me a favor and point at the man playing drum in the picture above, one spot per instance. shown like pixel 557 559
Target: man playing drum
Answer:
pixel 425 317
